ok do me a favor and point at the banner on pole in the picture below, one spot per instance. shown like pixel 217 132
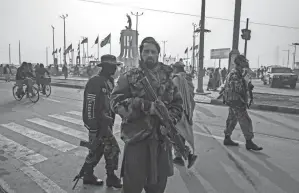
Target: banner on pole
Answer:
pixel 222 53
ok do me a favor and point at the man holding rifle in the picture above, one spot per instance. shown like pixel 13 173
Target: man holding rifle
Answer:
pixel 149 105
pixel 235 96
pixel 98 119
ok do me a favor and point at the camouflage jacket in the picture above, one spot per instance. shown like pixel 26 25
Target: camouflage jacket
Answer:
pixel 235 89
pixel 129 100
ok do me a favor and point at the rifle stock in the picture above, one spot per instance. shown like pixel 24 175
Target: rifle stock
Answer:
pixel 164 117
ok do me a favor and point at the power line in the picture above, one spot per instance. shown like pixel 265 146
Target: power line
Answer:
pixel 186 14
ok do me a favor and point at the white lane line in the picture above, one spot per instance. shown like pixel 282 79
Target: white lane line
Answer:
pixel 60 128
pixel 214 136
pixel 67 119
pixel 241 163
pixel 52 100
pixel 21 153
pixel 238 179
pixel 44 182
pixel 40 137
pixel 75 113
pixel 5 187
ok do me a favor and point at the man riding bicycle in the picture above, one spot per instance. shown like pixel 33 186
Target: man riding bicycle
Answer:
pixel 24 76
pixel 40 74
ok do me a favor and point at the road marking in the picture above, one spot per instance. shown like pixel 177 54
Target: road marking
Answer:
pixel 67 119
pixel 246 167
pixel 60 128
pixel 21 153
pixel 40 137
pixel 52 100
pixel 214 136
pixel 75 113
pixel 5 187
pixel 44 182
pixel 207 186
pixel 238 179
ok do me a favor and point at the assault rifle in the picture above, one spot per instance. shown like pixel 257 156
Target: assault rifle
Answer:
pixel 164 117
pixel 92 146
pixel 250 89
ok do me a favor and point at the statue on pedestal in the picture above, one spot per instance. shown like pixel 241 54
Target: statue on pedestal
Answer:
pixel 129 22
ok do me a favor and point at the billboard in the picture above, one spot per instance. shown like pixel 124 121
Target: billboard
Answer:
pixel 222 53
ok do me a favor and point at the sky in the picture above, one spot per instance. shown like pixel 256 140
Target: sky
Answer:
pixel 30 22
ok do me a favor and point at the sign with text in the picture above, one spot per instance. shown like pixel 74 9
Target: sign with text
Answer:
pixel 220 53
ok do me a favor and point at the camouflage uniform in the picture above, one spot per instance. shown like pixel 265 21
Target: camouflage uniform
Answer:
pixel 147 161
pixel 237 105
pixel 96 107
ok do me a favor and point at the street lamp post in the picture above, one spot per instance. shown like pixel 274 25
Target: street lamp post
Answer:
pixel 164 42
pixel 137 15
pixel 53 44
pixel 294 63
pixel 64 54
pixel 193 54
pixel 47 56
pixel 288 56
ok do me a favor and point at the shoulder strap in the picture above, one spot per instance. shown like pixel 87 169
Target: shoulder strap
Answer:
pixel 147 75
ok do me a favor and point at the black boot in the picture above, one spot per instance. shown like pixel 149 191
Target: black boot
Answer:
pixel 90 178
pixel 113 181
pixel 229 142
pixel 179 161
pixel 191 160
pixel 252 146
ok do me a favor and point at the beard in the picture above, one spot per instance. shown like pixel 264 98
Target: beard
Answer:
pixel 150 62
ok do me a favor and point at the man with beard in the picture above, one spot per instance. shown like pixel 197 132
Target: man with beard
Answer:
pixel 98 119
pixel 235 96
pixel 183 82
pixel 147 161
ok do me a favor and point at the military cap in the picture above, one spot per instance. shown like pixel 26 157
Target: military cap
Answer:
pixel 108 59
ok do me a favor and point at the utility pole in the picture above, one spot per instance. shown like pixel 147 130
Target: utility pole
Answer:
pixel 164 49
pixel 288 56
pixel 202 31
pixel 246 35
pixel 294 63
pixel 53 44
pixel 193 54
pixel 9 54
pixel 235 46
pixel 64 54
pixel 137 15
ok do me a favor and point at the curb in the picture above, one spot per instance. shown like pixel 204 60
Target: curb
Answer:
pixel 68 86
pixel 262 107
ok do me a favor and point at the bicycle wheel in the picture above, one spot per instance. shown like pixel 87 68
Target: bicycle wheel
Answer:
pixel 14 92
pixel 47 90
pixel 35 96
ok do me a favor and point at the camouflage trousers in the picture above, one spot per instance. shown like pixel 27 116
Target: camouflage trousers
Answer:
pixel 240 115
pixel 178 154
pixel 110 149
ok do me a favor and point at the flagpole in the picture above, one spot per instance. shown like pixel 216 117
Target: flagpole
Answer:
pixel 20 61
pixel 87 55
pixel 110 43
pixel 98 49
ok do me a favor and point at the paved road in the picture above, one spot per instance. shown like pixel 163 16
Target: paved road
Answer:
pixel 39 149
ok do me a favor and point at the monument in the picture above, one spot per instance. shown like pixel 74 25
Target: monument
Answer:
pixel 128 49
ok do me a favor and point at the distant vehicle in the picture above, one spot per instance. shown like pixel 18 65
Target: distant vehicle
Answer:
pixel 278 75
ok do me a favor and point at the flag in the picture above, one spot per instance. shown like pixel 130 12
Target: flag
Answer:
pixel 195 47
pixel 197 54
pixel 97 40
pixel 85 40
pixel 186 50
pixel 191 48
pixel 69 48
pixel 54 52
pixel 59 50
pixel 106 40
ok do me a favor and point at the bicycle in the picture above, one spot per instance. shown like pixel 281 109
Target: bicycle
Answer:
pixel 45 83
pixel 19 96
